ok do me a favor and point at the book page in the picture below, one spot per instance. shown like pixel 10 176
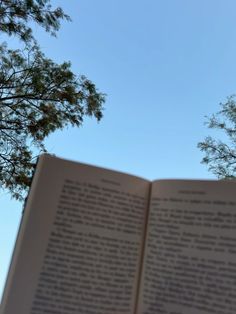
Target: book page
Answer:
pixel 79 247
pixel 190 255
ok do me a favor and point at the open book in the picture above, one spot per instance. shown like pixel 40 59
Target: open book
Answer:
pixel 96 241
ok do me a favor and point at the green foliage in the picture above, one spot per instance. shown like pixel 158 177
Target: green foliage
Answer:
pixel 37 95
pixel 220 156
pixel 15 16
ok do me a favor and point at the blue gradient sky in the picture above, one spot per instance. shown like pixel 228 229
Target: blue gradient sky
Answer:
pixel 164 65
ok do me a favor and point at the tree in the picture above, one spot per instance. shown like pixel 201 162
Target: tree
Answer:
pixel 37 95
pixel 220 156
pixel 16 14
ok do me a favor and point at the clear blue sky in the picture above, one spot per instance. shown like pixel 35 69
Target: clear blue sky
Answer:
pixel 164 65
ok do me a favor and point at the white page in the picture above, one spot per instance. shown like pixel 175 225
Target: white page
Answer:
pixel 190 256
pixel 80 242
